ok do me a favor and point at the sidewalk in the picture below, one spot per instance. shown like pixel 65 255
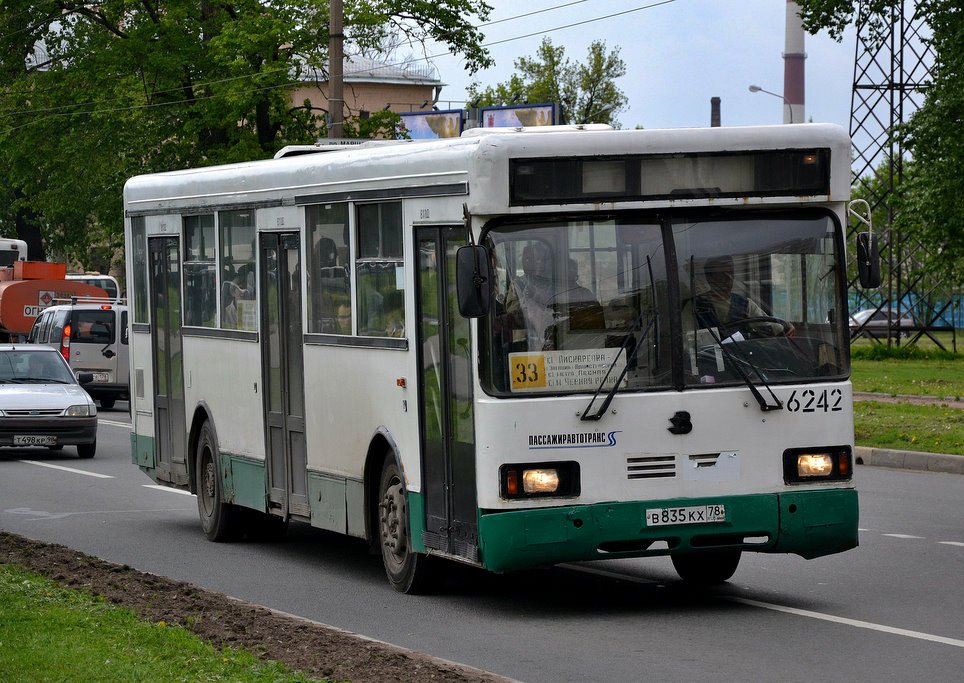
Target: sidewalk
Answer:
pixel 909 460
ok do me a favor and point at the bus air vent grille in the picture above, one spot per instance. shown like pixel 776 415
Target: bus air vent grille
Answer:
pixel 651 466
pixel 704 460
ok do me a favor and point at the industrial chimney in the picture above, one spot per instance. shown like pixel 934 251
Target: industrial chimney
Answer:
pixel 793 67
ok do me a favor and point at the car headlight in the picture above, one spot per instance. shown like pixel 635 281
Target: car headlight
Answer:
pixel 83 410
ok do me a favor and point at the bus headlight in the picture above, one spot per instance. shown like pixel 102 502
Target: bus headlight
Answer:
pixel 817 464
pixel 539 480
pixel 814 465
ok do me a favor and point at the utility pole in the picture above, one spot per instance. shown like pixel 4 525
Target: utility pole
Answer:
pixel 794 58
pixel 336 39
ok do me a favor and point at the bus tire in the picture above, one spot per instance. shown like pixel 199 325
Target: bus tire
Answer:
pixel 707 568
pixel 219 520
pixel 407 571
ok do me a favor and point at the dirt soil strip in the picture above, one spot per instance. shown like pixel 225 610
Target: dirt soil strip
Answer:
pixel 907 398
pixel 310 647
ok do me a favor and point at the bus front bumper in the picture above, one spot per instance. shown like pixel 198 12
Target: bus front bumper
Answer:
pixel 808 523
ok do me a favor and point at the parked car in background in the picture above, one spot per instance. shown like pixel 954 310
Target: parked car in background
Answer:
pixel 92 337
pixel 42 403
pixel 874 322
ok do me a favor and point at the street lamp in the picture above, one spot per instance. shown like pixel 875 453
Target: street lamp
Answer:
pixel 756 88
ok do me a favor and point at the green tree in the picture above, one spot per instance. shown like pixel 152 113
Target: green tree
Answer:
pixel 931 201
pixel 586 92
pixel 95 91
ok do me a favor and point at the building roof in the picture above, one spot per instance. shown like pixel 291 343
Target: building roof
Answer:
pixel 365 70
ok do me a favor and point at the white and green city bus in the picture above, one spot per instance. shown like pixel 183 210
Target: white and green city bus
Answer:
pixel 493 349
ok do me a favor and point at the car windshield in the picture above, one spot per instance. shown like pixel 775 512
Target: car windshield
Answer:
pixel 33 367
pixel 657 302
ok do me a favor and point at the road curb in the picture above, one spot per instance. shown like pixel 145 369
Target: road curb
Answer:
pixel 910 460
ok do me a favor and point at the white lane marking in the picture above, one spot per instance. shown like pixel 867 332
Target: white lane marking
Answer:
pixel 798 612
pixel 957 543
pixel 167 489
pixel 67 469
pixel 902 536
pixel 114 423
pixel 850 622
pixel 38 515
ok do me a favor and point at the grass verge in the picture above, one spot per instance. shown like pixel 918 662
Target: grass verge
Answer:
pixel 908 427
pixel 908 371
pixel 939 376
pixel 50 633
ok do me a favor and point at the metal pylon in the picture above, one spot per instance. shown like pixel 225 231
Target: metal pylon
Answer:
pixel 892 66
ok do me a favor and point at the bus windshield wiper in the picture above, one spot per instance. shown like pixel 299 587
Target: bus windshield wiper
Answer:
pixel 630 357
pixel 765 406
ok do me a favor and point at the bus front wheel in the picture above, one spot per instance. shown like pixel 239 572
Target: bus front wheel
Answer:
pixel 707 568
pixel 407 571
pixel 218 519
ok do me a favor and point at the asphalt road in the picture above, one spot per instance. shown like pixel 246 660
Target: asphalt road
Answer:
pixel 893 609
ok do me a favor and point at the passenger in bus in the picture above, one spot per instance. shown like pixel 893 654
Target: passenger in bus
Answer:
pixel 528 304
pixel 727 310
pixel 235 291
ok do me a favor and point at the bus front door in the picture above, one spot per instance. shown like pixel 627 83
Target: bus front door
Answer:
pixel 283 367
pixel 446 416
pixel 169 422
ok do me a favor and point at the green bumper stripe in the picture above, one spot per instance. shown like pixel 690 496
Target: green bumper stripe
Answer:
pixel 806 523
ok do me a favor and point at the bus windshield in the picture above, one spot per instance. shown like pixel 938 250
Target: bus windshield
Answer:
pixel 647 302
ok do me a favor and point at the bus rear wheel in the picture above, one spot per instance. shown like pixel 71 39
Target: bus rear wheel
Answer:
pixel 219 520
pixel 707 568
pixel 407 571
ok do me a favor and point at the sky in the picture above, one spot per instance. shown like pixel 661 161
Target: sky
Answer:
pixel 678 54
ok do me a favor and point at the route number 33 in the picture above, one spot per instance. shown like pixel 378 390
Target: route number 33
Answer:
pixel 527 371
pixel 815 401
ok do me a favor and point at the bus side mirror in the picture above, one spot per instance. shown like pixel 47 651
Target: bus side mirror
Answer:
pixel 472 280
pixel 868 260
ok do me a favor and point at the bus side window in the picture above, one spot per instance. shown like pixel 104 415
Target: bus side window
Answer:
pixel 379 299
pixel 329 284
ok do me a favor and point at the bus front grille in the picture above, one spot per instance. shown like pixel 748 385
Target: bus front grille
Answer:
pixel 651 466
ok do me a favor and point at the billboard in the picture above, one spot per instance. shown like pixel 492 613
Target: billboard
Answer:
pixel 432 124
pixel 516 115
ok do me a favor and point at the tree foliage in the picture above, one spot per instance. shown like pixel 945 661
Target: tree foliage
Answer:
pixel 95 91
pixel 587 91
pixel 931 198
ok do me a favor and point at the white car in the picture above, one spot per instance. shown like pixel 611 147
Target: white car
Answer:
pixel 42 403
pixel 875 322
